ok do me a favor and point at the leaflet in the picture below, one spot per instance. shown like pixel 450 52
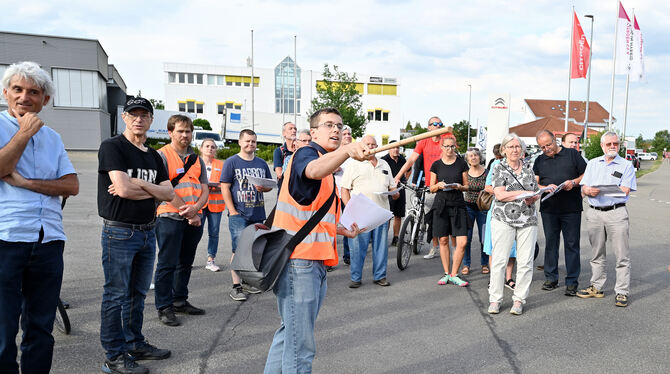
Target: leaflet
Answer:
pixel 365 213
pixel 611 190
pixel 387 193
pixel 554 192
pixel 450 186
pixel 262 182
pixel 531 193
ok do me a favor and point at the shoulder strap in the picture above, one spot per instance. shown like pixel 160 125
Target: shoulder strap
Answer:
pixel 311 224
pixel 192 158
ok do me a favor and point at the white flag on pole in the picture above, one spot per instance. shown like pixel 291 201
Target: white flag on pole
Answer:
pixel 624 41
pixel 637 66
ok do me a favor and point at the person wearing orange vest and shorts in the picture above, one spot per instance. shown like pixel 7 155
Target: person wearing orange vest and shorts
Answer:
pixel 301 287
pixel 178 226
pixel 213 211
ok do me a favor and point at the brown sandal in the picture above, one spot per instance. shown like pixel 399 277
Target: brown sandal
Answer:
pixel 485 269
pixel 466 270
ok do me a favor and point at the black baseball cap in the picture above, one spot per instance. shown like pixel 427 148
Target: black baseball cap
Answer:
pixel 133 102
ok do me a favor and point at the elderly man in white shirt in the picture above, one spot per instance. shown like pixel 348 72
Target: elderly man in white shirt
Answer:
pixel 367 177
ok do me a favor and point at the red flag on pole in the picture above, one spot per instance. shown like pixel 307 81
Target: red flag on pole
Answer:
pixel 580 51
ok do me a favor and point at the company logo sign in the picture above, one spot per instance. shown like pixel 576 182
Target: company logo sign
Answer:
pixel 499 103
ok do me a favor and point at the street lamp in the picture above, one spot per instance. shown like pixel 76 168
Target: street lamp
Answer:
pixel 469 112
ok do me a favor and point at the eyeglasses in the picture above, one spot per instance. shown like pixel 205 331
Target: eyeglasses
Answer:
pixel 144 116
pixel 436 124
pixel 513 146
pixel 330 125
pixel 615 144
pixel 449 146
pixel 303 140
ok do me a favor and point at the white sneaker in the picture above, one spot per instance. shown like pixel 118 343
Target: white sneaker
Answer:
pixel 152 286
pixel 434 252
pixel 212 266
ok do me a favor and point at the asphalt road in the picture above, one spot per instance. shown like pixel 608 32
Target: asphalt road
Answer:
pixel 414 326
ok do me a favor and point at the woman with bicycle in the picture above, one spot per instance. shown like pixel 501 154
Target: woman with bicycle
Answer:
pixel 514 218
pixel 448 177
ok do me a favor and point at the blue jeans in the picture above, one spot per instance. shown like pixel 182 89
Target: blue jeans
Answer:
pixel 570 225
pixel 300 291
pixel 213 224
pixel 236 224
pixel 476 217
pixel 380 252
pixel 127 262
pixel 177 242
pixel 30 279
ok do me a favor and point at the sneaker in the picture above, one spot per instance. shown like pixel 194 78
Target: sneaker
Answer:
pixel 494 308
pixel 571 290
pixel 186 308
pixel 434 252
pixel 444 280
pixel 346 260
pixel 549 285
pixel 152 286
pixel 590 291
pixel 382 282
pixel 458 281
pixel 354 284
pixel 250 289
pixel 511 284
pixel 146 351
pixel 330 268
pixel 123 364
pixel 394 242
pixel 621 300
pixel 167 317
pixel 517 308
pixel 237 294
pixel 211 266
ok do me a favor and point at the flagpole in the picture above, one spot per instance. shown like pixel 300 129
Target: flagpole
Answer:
pixel 567 101
pixel 295 79
pixel 588 84
pixel 252 81
pixel 616 33
pixel 625 109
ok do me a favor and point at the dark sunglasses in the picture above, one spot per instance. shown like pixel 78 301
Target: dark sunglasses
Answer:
pixel 437 124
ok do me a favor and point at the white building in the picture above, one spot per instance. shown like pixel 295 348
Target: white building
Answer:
pixel 223 96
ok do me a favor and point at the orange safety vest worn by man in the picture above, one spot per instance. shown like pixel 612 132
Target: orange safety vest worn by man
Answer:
pixel 301 288
pixel 178 222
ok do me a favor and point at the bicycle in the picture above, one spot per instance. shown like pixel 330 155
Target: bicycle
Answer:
pixel 413 229
pixel 62 321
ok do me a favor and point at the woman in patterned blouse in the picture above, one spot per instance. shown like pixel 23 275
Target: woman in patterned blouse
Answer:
pixel 476 182
pixel 513 219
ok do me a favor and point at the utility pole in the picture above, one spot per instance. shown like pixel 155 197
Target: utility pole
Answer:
pixel 469 113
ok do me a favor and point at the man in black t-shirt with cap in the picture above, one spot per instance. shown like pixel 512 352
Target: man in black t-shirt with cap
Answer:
pixel 131 178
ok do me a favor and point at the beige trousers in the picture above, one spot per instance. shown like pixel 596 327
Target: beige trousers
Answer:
pixel 502 238
pixel 609 230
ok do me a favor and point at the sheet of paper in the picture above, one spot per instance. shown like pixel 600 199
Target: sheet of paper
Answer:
pixel 263 182
pixel 450 186
pixel 531 193
pixel 550 194
pixel 365 213
pixel 611 190
pixel 387 193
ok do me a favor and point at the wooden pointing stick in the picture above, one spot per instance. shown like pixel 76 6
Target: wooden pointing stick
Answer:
pixel 411 139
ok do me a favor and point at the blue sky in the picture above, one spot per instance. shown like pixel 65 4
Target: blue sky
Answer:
pixel 435 48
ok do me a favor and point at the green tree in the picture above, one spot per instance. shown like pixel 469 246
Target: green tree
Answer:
pixel 339 91
pixel 417 126
pixel 661 141
pixel 593 149
pixel 639 142
pixel 409 126
pixel 157 104
pixel 461 134
pixel 202 123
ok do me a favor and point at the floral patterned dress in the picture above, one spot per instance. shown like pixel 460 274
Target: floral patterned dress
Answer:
pixel 514 213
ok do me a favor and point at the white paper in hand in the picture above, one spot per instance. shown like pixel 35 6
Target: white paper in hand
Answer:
pixel 365 213
pixel 262 182
pixel 387 193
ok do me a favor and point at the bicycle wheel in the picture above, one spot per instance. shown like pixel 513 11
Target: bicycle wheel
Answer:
pixel 404 242
pixel 420 236
pixel 62 320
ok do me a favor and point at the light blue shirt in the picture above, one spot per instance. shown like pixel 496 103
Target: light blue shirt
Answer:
pixel 618 172
pixel 24 212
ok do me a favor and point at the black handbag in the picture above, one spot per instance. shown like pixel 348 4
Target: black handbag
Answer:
pixel 263 252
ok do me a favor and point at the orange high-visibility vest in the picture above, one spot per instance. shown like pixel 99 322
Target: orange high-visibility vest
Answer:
pixel 320 243
pixel 215 203
pixel 188 188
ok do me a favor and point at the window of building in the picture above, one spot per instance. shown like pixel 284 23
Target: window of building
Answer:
pixel 229 104
pixel 220 108
pixel 211 79
pixel 181 105
pixel 385 115
pixel 382 89
pixel 371 115
pixel 77 88
pixel 219 80
pixel 374 89
pixel 182 77
pixel 378 115
pixel 198 78
pixel 190 78
pixel 238 106
pixel 190 106
pixel 287 87
pixel 172 77
pixel 199 107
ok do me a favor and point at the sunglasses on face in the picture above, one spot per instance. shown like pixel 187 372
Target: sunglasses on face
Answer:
pixel 437 124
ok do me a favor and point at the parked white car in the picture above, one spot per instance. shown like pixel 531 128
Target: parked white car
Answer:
pixel 200 135
pixel 644 156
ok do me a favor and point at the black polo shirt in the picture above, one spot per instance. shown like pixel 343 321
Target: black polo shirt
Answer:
pixel 396 165
pixel 566 164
